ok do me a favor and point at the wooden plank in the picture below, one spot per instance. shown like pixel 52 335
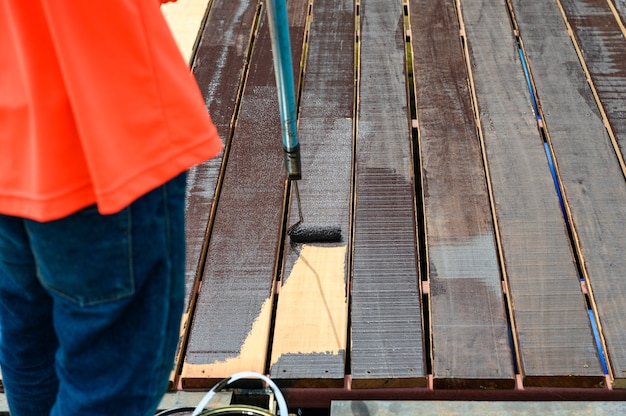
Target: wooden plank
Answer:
pixel 387 345
pixel 590 173
pixel 555 339
pixel 312 320
pixel 600 41
pixel 232 320
pixel 310 335
pixel 228 28
pixel 468 318
pixel 620 7
pixel 202 180
pixel 222 57
pixel 185 21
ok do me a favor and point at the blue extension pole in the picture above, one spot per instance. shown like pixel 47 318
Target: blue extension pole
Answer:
pixel 283 69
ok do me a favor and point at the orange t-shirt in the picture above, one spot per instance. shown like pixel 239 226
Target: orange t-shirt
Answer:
pixel 96 106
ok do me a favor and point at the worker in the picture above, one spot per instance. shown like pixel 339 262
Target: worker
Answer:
pixel 100 118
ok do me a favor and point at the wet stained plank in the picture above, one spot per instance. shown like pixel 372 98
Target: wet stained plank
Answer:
pixel 554 335
pixel 232 319
pixel 601 41
pixel 225 23
pixel 386 331
pixel 468 318
pixel 226 35
pixel 310 336
pixel 591 176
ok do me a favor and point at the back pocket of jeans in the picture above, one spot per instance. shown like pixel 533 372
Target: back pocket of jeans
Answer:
pixel 85 257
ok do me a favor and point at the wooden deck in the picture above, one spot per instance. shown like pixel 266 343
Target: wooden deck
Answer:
pixel 472 152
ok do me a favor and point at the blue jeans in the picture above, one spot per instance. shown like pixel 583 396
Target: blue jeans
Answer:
pixel 90 307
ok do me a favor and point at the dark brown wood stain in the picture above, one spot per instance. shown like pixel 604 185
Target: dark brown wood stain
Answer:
pixel 241 260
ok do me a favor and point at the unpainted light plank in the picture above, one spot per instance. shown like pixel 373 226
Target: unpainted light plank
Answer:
pixel 310 338
pixel 386 331
pixel 590 173
pixel 468 319
pixel 185 21
pixel 556 343
pixel 310 335
pixel 232 319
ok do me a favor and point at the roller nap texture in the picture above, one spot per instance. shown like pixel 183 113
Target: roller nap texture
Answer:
pixel 300 233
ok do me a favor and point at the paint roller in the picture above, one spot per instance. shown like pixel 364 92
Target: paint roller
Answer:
pixel 283 69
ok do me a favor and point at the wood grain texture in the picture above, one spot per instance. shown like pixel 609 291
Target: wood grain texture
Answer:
pixel 227 34
pixel 468 318
pixel 590 173
pixel 232 321
pixel 603 47
pixel 387 345
pixel 326 117
pixel 185 21
pixel 556 344
pixel 310 337
pixel 620 7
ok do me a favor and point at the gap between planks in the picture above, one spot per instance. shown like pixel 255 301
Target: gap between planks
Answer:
pixel 589 77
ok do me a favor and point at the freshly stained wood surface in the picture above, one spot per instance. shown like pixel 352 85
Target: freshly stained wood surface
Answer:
pixel 592 179
pixel 601 41
pixel 387 346
pixel 468 318
pixel 224 27
pixel 310 336
pixel 235 300
pixel 228 28
pixel 554 335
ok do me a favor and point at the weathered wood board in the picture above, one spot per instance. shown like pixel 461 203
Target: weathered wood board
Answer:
pixel 386 304
pixel 620 7
pixel 470 334
pixel 591 177
pixel 232 332
pixel 554 335
pixel 600 39
pixel 311 328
